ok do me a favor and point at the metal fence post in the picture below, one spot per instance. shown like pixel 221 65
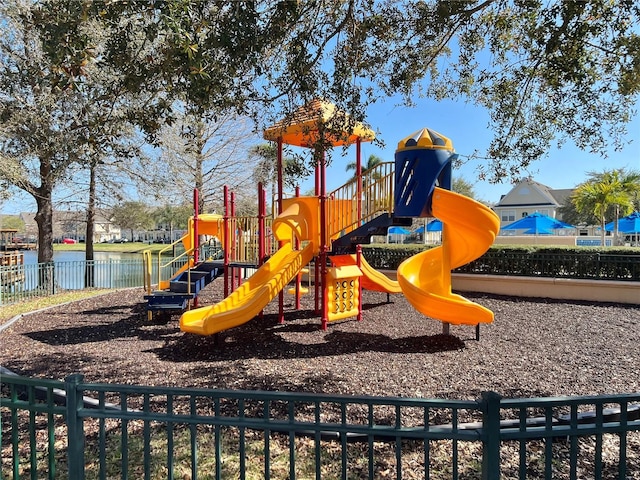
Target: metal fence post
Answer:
pixel 52 267
pixel 75 427
pixel 490 435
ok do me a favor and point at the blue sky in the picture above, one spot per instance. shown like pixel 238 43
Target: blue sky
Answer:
pixel 466 126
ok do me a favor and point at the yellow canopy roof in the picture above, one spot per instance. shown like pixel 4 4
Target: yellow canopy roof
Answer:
pixel 302 127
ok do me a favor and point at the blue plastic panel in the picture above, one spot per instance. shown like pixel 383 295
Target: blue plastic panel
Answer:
pixel 417 172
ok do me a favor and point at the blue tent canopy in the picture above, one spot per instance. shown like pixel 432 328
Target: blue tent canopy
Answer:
pixel 628 224
pixel 537 224
pixel 432 226
pixel 398 231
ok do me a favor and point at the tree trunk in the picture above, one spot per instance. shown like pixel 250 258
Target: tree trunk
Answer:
pixel 199 165
pixel 89 280
pixel 44 220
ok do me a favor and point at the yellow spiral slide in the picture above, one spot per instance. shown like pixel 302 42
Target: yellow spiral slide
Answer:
pixel 469 229
pixel 299 219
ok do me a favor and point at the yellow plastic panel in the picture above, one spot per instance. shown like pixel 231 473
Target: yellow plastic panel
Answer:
pixel 343 294
pixel 371 279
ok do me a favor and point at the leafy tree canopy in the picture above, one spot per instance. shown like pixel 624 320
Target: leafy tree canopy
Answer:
pixel 546 71
pixel 611 192
pixel 132 215
pixel 463 187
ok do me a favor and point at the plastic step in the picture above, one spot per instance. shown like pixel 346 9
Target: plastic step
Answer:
pixel 167 301
pixel 180 286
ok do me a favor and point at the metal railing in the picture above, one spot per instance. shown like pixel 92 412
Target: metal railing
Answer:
pixel 22 282
pixel 584 265
pixel 377 190
pixel 76 430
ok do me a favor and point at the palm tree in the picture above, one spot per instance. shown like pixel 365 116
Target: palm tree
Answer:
pixel 602 192
pixel 372 161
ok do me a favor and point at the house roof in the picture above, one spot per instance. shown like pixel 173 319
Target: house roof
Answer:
pixel 529 193
pixel 562 194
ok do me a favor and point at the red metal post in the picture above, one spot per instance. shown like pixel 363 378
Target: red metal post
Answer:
pixel 316 271
pixel 359 178
pixel 359 263
pixel 226 244
pixel 196 239
pixel 323 240
pixel 299 275
pixel 280 189
pixel 234 243
pixel 262 213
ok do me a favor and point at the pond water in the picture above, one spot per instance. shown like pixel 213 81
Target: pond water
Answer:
pixel 31 256
pixel 109 270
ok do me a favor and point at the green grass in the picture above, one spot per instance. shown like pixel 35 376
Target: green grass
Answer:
pixel 223 445
pixel 10 311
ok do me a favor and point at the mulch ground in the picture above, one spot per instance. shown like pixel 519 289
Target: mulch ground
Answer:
pixel 535 347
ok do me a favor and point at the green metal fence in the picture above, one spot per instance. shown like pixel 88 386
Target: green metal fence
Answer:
pixel 76 430
pixel 585 264
pixel 21 282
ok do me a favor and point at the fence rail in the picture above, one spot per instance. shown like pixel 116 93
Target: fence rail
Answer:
pixel 77 430
pixel 20 282
pixel 583 265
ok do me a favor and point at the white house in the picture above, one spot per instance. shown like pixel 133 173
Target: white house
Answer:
pixel 529 196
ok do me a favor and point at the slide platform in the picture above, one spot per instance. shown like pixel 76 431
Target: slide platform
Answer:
pixel 371 279
pixel 264 285
pixel 469 229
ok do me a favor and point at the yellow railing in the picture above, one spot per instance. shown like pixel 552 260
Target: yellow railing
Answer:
pixel 376 199
pixel 245 237
pixel 176 265
pixel 244 248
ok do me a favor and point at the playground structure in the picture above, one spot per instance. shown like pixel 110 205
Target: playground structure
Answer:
pixel 328 228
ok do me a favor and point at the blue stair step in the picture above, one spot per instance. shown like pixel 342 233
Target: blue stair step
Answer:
pixel 214 269
pixel 180 286
pixel 363 234
pixel 167 301
pixel 188 282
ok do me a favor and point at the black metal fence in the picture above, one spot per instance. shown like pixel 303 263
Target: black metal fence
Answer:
pixel 583 265
pixel 554 263
pixel 77 430
pixel 20 282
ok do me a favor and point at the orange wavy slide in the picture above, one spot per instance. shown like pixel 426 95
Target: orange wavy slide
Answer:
pixel 264 285
pixel 469 229
pixel 371 279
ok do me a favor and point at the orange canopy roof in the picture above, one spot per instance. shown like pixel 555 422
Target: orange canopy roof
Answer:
pixel 302 127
